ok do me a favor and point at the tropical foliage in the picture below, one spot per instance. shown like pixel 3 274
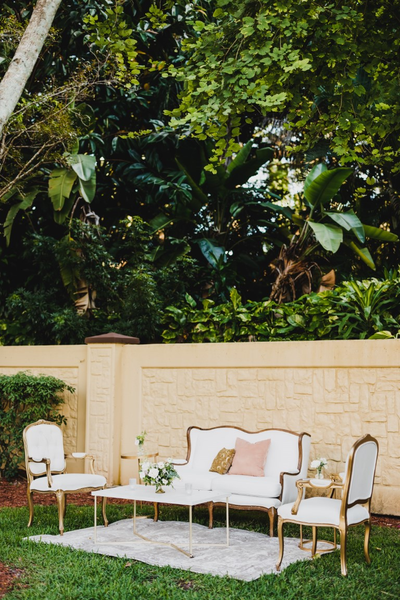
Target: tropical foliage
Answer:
pixel 356 310
pixel 115 200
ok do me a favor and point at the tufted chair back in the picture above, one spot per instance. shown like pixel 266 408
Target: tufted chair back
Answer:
pixel 44 440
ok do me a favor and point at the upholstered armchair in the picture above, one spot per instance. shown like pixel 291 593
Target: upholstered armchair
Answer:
pixel 46 469
pixel 353 508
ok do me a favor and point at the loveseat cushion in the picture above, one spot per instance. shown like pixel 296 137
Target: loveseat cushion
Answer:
pixel 200 479
pixel 250 458
pixel 247 485
pixel 223 461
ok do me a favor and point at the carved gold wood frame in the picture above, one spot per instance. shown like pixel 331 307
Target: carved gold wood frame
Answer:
pixel 272 512
pixel 60 494
pixel 343 525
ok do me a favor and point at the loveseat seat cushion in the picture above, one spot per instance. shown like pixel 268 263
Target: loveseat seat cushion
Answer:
pixel 246 485
pixel 201 480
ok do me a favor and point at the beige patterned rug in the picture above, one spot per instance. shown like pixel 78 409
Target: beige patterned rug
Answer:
pixel 248 556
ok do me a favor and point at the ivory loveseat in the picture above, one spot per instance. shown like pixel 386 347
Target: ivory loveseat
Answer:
pixel 286 462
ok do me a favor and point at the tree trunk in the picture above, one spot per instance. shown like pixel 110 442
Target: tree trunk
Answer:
pixel 13 83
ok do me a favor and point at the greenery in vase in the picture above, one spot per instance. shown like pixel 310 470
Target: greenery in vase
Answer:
pixel 319 464
pixel 158 474
pixel 139 440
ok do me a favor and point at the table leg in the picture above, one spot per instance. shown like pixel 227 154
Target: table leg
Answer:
pixel 95 519
pixel 190 531
pixel 227 522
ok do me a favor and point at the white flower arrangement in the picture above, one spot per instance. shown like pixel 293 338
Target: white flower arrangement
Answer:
pixel 139 440
pixel 319 464
pixel 158 474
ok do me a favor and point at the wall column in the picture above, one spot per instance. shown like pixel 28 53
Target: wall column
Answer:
pixel 103 408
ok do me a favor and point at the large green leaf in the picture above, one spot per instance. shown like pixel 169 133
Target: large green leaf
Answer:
pixel 313 174
pixel 83 165
pixel 242 172
pixel 87 188
pixel 200 197
pixel 61 215
pixel 241 156
pixel 61 182
pixel 377 233
pixel 364 254
pixel 329 236
pixel 324 187
pixel 350 222
pixel 212 252
pixel 25 203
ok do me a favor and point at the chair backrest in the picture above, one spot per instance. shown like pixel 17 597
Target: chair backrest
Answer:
pixel 360 471
pixel 43 439
pixel 288 451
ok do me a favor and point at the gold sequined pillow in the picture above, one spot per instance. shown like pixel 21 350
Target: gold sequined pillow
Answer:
pixel 222 462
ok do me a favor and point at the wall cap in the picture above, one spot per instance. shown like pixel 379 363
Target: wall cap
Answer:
pixel 112 338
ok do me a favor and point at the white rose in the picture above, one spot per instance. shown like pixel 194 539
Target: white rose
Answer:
pixel 153 473
pixel 136 442
pixel 315 464
pixel 160 465
pixel 145 466
pixel 165 481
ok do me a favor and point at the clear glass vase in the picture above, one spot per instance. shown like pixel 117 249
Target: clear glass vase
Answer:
pixel 319 474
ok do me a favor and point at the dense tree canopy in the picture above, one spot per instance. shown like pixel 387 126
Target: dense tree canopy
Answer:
pixel 158 149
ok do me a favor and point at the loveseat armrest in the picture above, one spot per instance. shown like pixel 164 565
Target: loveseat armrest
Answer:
pixel 288 480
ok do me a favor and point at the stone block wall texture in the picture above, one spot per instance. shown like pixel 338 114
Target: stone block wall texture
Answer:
pixel 336 391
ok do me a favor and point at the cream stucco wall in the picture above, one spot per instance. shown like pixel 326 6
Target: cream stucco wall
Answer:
pixel 336 391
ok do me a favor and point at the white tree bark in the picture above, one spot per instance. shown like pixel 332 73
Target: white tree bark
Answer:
pixel 14 81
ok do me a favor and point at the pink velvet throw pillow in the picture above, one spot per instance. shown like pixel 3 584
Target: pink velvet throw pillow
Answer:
pixel 249 458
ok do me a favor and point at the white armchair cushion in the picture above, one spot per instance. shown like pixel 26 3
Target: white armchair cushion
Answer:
pixel 323 511
pixel 68 482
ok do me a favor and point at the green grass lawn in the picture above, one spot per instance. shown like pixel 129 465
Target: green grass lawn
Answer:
pixel 52 572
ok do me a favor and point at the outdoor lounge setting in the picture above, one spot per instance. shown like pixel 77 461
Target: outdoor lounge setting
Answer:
pixel 199 300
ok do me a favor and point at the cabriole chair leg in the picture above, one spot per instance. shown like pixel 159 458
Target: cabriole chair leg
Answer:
pixel 281 543
pixel 61 507
pixel 366 541
pixel 30 504
pixel 343 542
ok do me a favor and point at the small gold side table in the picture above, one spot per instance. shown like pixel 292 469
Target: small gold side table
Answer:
pixel 331 484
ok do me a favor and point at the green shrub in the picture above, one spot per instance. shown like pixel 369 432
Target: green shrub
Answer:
pixel 355 310
pixel 25 398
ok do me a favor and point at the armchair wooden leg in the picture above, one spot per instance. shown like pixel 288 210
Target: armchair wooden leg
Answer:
pixel 30 505
pixel 281 543
pixel 343 542
pixel 210 515
pixel 272 516
pixel 61 508
pixel 366 541
pixel 103 511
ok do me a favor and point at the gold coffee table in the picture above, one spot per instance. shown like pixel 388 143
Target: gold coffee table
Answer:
pixel 142 493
